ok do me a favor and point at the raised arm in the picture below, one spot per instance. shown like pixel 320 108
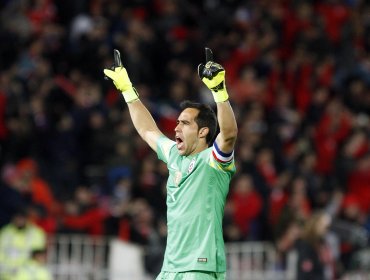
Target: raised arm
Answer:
pixel 213 76
pixel 228 129
pixel 140 116
pixel 144 123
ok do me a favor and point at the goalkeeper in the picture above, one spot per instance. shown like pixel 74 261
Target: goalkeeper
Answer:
pixel 200 170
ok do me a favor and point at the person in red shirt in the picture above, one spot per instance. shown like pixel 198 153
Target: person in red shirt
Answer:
pixel 83 213
pixel 38 188
pixel 244 206
pixel 332 129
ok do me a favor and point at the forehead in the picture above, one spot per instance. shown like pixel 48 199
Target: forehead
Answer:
pixel 188 114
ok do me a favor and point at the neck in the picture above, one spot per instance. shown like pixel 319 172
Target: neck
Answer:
pixel 198 149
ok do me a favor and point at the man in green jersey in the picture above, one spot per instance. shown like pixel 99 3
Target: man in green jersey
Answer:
pixel 200 170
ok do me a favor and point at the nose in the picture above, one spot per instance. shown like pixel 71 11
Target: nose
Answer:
pixel 177 128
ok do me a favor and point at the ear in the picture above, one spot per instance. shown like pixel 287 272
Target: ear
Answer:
pixel 203 132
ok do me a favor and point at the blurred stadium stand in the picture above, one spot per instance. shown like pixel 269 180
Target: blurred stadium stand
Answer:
pixel 298 75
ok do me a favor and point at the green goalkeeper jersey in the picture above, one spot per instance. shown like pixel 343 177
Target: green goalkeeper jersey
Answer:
pixel 196 192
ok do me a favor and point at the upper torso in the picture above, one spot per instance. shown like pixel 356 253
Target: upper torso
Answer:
pixel 196 192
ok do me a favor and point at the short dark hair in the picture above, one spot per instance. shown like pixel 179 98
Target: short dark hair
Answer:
pixel 206 118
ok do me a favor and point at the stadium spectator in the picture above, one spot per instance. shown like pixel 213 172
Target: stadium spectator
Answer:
pixel 243 209
pixel 39 190
pixel 12 194
pixel 316 258
pixel 35 268
pixel 17 240
pixel 83 214
pixel 298 78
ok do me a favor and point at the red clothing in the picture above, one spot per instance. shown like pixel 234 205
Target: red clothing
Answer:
pixel 302 91
pixel 359 187
pixel 42 12
pixel 331 131
pixel 245 91
pixel 334 17
pixel 292 25
pixel 48 224
pixel 91 221
pixel 278 199
pixel 325 74
pixel 40 190
pixel 268 172
pixel 239 58
pixel 42 195
pixel 246 208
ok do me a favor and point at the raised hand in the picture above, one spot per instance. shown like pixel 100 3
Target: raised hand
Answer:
pixel 119 76
pixel 213 76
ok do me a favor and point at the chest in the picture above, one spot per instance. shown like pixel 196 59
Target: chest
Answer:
pixel 182 168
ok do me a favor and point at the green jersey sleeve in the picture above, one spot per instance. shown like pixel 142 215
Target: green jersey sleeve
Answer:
pixel 164 146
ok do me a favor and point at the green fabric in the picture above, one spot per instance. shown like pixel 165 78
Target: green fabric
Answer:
pixel 196 192
pixel 191 275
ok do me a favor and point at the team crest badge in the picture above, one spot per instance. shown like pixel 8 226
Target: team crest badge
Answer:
pixel 191 165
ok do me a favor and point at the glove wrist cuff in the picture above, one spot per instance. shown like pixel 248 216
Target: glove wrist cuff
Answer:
pixel 130 95
pixel 220 95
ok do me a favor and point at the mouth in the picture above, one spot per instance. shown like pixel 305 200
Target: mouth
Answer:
pixel 179 142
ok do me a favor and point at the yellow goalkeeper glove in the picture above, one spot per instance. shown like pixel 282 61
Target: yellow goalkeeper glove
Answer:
pixel 213 76
pixel 119 76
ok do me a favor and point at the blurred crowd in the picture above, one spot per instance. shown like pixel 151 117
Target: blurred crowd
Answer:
pixel 298 76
